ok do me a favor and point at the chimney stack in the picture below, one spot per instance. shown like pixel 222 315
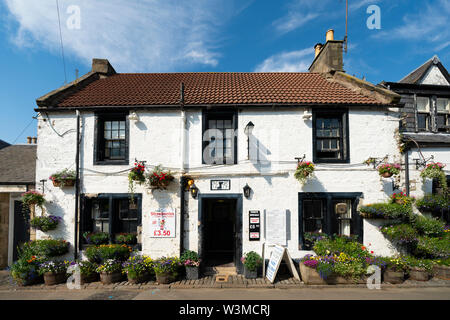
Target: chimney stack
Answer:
pixel 103 67
pixel 328 57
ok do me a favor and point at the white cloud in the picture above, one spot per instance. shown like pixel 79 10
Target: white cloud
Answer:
pixel 293 21
pixel 428 25
pixel 144 36
pixel 292 61
pixel 357 5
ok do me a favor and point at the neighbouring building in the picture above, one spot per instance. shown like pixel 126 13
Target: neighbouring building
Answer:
pixel 3 144
pixel 425 125
pixel 238 137
pixel 17 175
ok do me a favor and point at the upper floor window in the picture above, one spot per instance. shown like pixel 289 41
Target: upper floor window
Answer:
pixel 111 145
pixel 443 114
pixel 423 114
pixel 219 137
pixel 330 137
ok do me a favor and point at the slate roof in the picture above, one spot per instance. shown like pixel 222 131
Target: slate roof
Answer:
pixel 208 88
pixel 18 164
pixel 418 74
pixel 3 144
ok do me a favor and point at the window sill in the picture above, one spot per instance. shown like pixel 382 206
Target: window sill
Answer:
pixel 111 163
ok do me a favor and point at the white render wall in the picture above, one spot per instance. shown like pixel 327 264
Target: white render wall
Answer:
pixel 156 139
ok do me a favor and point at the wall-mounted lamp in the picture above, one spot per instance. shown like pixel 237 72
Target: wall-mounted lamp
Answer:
pixel 194 191
pixel 133 116
pixel 247 191
pixel 249 128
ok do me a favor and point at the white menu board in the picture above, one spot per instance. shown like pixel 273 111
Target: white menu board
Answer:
pixel 276 227
pixel 162 223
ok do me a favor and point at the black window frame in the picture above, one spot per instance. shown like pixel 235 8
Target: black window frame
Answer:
pixel 86 220
pixel 99 139
pixel 330 224
pixel 206 116
pixel 342 115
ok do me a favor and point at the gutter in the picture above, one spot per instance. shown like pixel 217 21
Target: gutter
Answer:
pixel 77 185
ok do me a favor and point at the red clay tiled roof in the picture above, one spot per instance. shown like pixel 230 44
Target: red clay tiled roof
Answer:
pixel 128 89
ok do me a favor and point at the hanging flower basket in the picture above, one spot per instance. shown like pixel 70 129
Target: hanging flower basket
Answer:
pixel 159 179
pixel 304 171
pixel 45 223
pixel 64 178
pixel 387 170
pixel 435 171
pixel 136 175
pixel 32 198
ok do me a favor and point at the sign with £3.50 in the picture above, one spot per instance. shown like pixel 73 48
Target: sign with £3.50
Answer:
pixel 162 224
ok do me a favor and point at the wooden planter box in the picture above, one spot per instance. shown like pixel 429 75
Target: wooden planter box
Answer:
pixel 394 277
pixel 441 272
pixel 311 276
pixel 419 274
pixel 108 278
pixel 67 183
pixel 51 278
pixel 139 279
pixel 93 277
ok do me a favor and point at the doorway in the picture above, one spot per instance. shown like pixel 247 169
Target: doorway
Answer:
pixel 221 230
pixel 21 232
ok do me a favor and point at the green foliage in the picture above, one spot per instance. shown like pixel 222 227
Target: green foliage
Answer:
pixel 428 226
pixel 252 261
pixel 45 223
pixel 385 211
pixel 305 170
pixel 396 263
pixel 442 262
pixel 423 264
pixel 401 233
pixel 126 238
pixel 110 266
pixel 137 266
pixel 25 271
pixel 435 171
pixel 336 245
pixel 190 258
pixel 433 202
pixel 44 248
pixel 53 267
pixel 96 238
pixel 433 248
pixel 87 268
pixel 63 176
pixel 350 269
pixel 167 265
pixel 33 197
pixel 104 252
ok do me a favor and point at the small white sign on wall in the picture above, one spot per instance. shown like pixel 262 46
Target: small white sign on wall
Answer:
pixel 276 227
pixel 162 223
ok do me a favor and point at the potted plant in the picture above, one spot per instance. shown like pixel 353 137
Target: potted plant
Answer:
pixel 402 199
pixel 64 178
pixel 126 238
pixel 159 179
pixel 88 271
pixel 252 261
pixel 191 262
pixel 101 253
pixel 387 170
pixel 25 271
pixel 419 269
pixel 54 272
pixel 32 198
pixel 166 269
pixel 435 171
pixel 433 203
pixel 45 223
pixel 96 238
pixel 136 175
pixel 395 270
pixel 305 170
pixel 138 269
pixel 316 269
pixel 45 248
pixel 110 271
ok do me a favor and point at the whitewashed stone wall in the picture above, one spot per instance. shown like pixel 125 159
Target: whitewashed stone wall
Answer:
pixel 282 132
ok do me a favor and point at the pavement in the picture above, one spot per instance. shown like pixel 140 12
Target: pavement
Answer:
pixel 236 288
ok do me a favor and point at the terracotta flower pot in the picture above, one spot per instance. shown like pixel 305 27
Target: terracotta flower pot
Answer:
pixel 418 274
pixel 441 272
pixel 93 277
pixel 394 277
pixel 386 175
pixel 305 173
pixel 67 183
pixel 108 278
pixel 164 278
pixel 51 278
pixel 139 279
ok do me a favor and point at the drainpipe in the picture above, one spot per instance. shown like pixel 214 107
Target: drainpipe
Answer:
pixel 182 169
pixel 407 171
pixel 77 185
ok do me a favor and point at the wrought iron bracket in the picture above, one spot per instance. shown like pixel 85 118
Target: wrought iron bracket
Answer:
pixel 300 159
pixel 421 163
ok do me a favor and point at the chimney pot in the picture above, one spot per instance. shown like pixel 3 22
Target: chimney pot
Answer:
pixel 29 140
pixel 330 35
pixel 317 49
pixel 34 140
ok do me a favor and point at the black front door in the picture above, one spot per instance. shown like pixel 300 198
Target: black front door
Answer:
pixel 21 227
pixel 219 232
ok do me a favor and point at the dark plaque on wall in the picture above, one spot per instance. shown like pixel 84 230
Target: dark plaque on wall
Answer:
pixel 254 225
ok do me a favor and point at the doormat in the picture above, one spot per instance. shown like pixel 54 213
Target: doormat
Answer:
pixel 222 278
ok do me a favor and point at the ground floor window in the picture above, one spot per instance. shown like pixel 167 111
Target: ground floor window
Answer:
pixel 329 213
pixel 110 213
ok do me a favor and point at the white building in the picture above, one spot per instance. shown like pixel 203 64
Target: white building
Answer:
pixel 325 116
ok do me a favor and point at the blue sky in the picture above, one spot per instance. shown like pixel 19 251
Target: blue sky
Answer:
pixel 202 35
